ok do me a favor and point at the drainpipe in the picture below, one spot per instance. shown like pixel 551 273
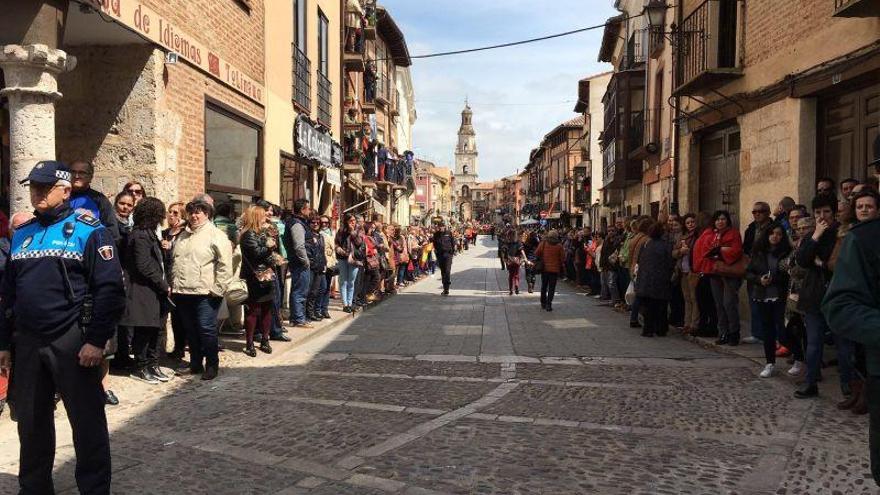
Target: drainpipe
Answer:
pixel 676 141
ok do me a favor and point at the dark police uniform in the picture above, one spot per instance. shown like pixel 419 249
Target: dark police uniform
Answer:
pixel 444 249
pixel 56 261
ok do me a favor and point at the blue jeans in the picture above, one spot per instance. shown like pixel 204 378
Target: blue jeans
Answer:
pixel 198 314
pixel 634 310
pixel 757 329
pixel 816 328
pixel 300 280
pixel 401 273
pixel 347 275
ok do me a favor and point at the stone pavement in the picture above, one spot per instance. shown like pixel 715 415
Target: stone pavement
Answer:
pixel 478 392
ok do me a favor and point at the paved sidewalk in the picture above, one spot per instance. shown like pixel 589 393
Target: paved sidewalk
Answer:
pixel 477 392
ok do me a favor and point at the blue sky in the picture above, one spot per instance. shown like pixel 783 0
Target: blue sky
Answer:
pixel 545 72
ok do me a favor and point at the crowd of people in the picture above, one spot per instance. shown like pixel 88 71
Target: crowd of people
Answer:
pixel 686 272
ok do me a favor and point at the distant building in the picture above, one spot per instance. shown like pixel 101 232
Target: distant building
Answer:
pixel 466 165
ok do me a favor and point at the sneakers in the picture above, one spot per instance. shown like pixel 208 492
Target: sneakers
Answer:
pixel 768 371
pixel 159 374
pixel 797 369
pixel 751 340
pixel 144 375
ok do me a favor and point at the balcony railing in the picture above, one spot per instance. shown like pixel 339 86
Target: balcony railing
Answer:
pixel 382 93
pixel 706 47
pixel 325 100
pixel 302 83
pixel 636 49
pixel 856 8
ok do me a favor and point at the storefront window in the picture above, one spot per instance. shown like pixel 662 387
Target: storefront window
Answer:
pixel 294 181
pixel 232 158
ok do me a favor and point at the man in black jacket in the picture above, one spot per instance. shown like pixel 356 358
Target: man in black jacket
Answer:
pixel 762 219
pixel 852 307
pixel 813 255
pixel 444 249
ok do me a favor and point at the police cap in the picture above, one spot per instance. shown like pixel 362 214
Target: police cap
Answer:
pixel 48 172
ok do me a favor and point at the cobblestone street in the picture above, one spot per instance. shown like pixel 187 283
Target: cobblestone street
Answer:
pixel 478 392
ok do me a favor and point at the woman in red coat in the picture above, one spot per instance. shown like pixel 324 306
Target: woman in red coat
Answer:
pixel 721 244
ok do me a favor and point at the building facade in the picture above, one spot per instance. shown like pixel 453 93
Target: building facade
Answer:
pixel 466 166
pixel 303 156
pixel 588 194
pixel 769 105
pixel 379 111
pixel 142 89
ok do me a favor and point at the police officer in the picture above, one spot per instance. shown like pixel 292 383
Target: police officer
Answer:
pixel 444 249
pixel 63 291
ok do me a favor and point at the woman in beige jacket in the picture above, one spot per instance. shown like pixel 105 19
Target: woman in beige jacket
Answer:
pixel 201 271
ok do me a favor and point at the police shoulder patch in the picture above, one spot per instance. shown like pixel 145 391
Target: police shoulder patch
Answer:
pixel 106 252
pixel 88 219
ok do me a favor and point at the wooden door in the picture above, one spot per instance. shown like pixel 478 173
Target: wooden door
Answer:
pixel 848 124
pixel 719 172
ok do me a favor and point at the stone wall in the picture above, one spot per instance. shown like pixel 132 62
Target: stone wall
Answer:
pixel 108 115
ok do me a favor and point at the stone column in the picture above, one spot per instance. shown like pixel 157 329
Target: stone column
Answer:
pixel 30 72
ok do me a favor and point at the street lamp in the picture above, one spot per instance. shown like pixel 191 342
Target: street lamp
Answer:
pixel 655 11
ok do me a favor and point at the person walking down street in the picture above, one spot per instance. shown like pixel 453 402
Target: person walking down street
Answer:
pixel 318 264
pixel 502 249
pixel 770 284
pixel 296 236
pixel 444 247
pixel 347 243
pixel 257 269
pixel 63 305
pixel 147 290
pixel 201 269
pixel 530 245
pixel 84 199
pixel 717 249
pixel 653 272
pixel 515 258
pixel 551 254
pixel 852 304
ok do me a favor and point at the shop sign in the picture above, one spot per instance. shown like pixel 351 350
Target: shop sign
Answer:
pixel 146 22
pixel 333 176
pixel 314 144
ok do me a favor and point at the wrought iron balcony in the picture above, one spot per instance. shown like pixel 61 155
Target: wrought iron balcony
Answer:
pixel 706 52
pixel 302 82
pixel 325 100
pixel 636 50
pixel 856 8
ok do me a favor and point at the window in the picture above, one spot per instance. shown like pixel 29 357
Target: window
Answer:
pixel 323 42
pixel 299 24
pixel 232 157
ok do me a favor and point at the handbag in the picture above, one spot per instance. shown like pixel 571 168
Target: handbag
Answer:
pixel 236 289
pixel 737 269
pixel 265 276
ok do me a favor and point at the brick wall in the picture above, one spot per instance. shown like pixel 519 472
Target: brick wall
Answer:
pixel 223 25
pixel 773 26
pixel 182 111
